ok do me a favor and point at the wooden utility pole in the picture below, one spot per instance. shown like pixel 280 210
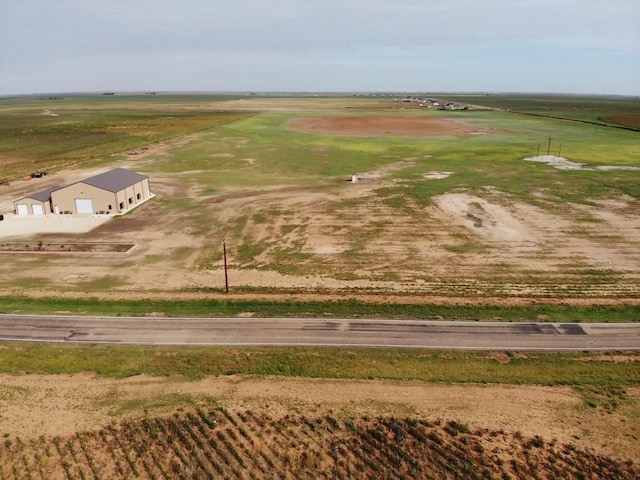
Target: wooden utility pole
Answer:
pixel 549 146
pixel 226 277
pixel 538 154
pixel 559 149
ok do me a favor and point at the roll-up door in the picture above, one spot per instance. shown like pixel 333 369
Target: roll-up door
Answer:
pixel 84 205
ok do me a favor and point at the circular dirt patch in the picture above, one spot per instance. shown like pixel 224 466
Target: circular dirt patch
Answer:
pixel 387 125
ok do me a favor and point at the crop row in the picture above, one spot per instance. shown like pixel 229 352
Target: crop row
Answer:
pixel 249 445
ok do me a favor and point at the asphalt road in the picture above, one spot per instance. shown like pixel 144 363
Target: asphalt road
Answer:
pixel 322 332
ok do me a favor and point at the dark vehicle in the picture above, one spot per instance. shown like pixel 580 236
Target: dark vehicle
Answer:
pixel 38 174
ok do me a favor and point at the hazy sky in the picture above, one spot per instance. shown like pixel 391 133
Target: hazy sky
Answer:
pixel 573 46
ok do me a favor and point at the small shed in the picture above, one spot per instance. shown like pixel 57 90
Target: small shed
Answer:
pixel 112 192
pixel 38 203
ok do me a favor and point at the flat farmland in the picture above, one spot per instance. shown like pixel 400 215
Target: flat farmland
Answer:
pixel 450 218
pixel 445 206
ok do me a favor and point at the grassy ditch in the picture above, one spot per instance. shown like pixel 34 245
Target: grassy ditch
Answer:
pixel 575 369
pixel 339 308
pixel 544 368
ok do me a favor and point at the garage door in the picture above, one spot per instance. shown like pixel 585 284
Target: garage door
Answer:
pixel 22 209
pixel 84 205
pixel 37 209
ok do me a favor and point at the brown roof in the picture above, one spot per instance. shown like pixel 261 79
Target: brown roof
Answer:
pixel 115 180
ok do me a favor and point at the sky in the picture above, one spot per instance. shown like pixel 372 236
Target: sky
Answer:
pixel 556 46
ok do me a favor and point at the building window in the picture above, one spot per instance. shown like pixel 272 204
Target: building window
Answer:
pixel 109 207
pixel 130 200
pixel 138 196
pixel 121 205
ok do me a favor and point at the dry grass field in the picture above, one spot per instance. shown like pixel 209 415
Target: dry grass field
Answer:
pixel 445 207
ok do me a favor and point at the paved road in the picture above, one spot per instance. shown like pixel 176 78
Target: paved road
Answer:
pixel 322 332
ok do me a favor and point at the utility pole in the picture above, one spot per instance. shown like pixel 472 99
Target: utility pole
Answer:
pixel 538 154
pixel 226 277
pixel 549 146
pixel 559 149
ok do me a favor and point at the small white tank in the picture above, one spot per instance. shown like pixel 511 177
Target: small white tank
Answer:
pixel 354 178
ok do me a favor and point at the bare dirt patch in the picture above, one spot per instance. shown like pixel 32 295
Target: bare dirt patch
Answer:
pixel 386 126
pixel 533 238
pixel 614 358
pixel 562 163
pixel 437 175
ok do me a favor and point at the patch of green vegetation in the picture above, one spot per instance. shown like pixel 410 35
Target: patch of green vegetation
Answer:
pixel 181 253
pixel 607 397
pixel 477 221
pixel 240 224
pixel 182 204
pixel 396 201
pixel 105 283
pixel 400 364
pixel 290 260
pixel 466 247
pixel 126 265
pixel 210 258
pixel 588 219
pixel 259 218
pixel 152 259
pixel 30 282
pixel 340 309
pixel 162 402
pixel 12 392
pixel 288 228
pixel 248 250
pixel 571 107
pixel 596 272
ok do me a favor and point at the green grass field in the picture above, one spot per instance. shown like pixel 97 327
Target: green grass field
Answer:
pixel 596 109
pixel 398 364
pixel 56 134
pixel 339 309
pixel 90 129
pixel 483 160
